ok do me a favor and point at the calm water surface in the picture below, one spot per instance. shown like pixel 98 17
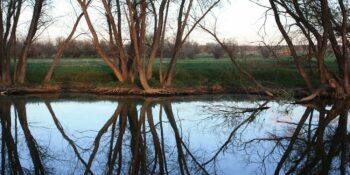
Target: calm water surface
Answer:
pixel 84 134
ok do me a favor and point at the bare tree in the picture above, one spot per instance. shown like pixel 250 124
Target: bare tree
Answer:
pixel 9 16
pixel 186 11
pixel 145 22
pixel 20 71
pixel 61 49
pixel 320 23
pixel 231 49
pixel 136 22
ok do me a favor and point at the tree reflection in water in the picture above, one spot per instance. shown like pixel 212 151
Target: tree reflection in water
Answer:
pixel 136 139
pixel 317 144
pixel 130 140
pixel 10 159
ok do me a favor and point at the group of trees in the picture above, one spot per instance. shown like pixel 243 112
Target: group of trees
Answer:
pixel 84 48
pixel 10 11
pixel 191 50
pixel 137 32
pixel 318 24
pixel 135 17
pixel 142 23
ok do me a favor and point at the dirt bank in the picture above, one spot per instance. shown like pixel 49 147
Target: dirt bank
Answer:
pixel 108 90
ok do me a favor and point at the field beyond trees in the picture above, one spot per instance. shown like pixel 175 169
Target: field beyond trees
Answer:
pixel 194 73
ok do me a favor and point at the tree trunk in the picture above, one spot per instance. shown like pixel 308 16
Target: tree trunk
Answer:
pixel 178 43
pixel 104 56
pixel 60 50
pixel 21 67
pixel 159 32
pixel 290 44
pixel 171 68
pixel 304 75
pixel 1 66
pixel 1 44
pixel 143 80
pixel 345 42
pixel 7 68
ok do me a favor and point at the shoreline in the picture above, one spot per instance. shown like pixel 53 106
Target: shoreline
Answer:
pixel 134 91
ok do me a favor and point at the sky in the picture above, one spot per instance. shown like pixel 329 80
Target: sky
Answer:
pixel 240 20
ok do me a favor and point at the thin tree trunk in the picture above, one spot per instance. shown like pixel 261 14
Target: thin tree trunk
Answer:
pixel 300 68
pixel 115 31
pixel 181 38
pixel 61 49
pixel 161 79
pixel 7 66
pixel 344 46
pixel 137 35
pixel 159 32
pixel 104 56
pixel 1 43
pixel 177 47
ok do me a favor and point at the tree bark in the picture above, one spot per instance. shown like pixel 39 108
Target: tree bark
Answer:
pixel 158 32
pixel 344 46
pixel 178 42
pixel 104 56
pixel 137 35
pixel 21 67
pixel 8 37
pixel 181 37
pixel 300 68
pixel 61 49
pixel 116 33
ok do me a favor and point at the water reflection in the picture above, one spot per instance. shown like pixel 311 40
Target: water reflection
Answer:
pixel 316 143
pixel 135 143
pixel 158 136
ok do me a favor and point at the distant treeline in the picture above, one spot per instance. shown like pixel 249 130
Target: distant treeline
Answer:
pixel 191 50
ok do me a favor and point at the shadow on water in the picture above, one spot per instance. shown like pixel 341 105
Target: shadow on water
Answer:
pixel 148 137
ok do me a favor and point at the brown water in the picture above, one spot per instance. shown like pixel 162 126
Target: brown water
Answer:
pixel 77 134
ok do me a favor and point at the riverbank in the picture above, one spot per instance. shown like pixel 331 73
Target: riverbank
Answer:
pixel 135 91
pixel 192 77
pixel 196 73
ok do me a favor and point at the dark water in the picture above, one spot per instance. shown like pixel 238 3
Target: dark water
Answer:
pixel 77 134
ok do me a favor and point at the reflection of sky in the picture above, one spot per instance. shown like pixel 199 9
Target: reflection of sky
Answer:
pixel 204 134
pixel 209 135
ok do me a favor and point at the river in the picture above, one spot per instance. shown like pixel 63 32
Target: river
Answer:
pixel 221 134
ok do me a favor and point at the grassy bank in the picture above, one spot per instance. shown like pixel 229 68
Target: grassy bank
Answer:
pixel 189 73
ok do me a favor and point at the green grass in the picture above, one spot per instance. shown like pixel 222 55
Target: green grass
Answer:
pixel 188 73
